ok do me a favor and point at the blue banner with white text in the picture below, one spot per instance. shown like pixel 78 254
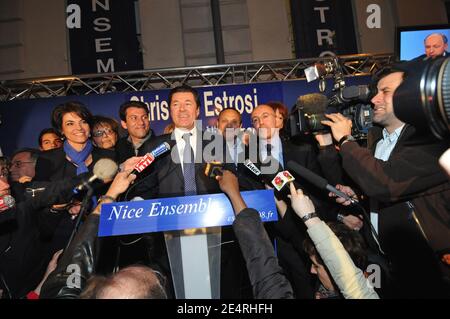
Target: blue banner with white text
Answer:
pixel 22 120
pixel 178 213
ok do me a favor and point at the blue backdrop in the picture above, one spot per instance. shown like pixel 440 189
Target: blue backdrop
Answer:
pixel 22 120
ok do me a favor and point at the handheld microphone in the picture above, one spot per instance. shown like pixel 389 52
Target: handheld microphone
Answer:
pixel 104 169
pixel 252 167
pixel 214 169
pixel 322 183
pixel 150 157
pixel 316 180
pixel 278 180
pixel 6 202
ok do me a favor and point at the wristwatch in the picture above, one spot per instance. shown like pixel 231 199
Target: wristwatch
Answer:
pixel 344 139
pixel 309 216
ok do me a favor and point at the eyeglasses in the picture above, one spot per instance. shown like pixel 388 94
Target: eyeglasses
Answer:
pixel 98 133
pixel 19 164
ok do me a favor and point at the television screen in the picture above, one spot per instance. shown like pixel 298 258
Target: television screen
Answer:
pixel 410 40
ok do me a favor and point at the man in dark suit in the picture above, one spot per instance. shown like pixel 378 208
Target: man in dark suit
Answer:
pixel 272 148
pixel 229 124
pixel 181 173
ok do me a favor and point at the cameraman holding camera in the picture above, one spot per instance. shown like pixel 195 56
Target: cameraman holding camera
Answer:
pixel 409 195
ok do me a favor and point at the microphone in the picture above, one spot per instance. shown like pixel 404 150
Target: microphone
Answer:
pixel 214 169
pixel 7 202
pixel 312 103
pixel 252 167
pixel 278 180
pixel 316 180
pixel 104 169
pixel 150 157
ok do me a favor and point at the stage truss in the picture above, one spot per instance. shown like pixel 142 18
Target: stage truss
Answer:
pixel 155 79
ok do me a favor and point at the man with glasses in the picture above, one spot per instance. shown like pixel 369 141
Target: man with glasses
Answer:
pixel 23 164
pixel 271 147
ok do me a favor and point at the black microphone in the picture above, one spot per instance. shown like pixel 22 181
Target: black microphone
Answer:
pixel 104 169
pixel 316 180
pixel 148 158
pixel 312 103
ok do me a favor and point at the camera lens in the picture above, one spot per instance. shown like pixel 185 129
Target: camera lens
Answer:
pixel 423 99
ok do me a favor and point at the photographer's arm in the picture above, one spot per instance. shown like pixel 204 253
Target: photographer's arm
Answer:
pixel 78 261
pixel 408 172
pixel 266 276
pixel 349 278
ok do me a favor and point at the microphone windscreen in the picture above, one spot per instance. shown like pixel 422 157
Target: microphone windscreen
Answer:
pixel 7 201
pixel 312 103
pixel 307 174
pixel 105 169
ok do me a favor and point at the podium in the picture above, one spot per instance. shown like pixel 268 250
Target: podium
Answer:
pixel 194 256
pixel 192 228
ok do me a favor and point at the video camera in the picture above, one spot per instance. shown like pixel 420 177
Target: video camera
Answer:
pixel 353 102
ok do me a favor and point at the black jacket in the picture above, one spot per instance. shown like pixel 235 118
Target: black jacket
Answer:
pixel 52 165
pixel 124 148
pixel 21 260
pixel 267 278
pixel 411 194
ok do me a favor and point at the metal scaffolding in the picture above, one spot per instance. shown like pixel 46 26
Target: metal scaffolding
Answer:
pixel 154 79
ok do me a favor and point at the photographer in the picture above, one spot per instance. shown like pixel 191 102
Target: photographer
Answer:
pixel 408 193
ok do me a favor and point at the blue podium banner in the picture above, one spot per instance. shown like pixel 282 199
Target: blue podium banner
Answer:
pixel 177 213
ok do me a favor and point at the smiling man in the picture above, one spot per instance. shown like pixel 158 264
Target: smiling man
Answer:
pixel 181 172
pixel 408 193
pixel 134 117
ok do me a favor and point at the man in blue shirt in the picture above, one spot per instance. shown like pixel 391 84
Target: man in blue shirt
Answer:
pixel 408 193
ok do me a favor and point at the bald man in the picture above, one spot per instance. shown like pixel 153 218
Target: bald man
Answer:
pixel 436 44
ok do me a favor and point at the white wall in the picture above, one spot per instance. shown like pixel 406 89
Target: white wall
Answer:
pixel 269 30
pixel 161 33
pixel 33 36
pixel 33 39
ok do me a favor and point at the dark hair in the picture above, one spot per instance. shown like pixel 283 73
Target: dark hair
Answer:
pixel 47 131
pixel 280 107
pixel 352 241
pixel 169 128
pixel 231 109
pixel 125 106
pixel 401 66
pixel 185 89
pixel 5 166
pixel 34 153
pixel 4 160
pixel 99 120
pixel 70 107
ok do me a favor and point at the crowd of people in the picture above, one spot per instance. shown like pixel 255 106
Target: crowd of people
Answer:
pixel 322 246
